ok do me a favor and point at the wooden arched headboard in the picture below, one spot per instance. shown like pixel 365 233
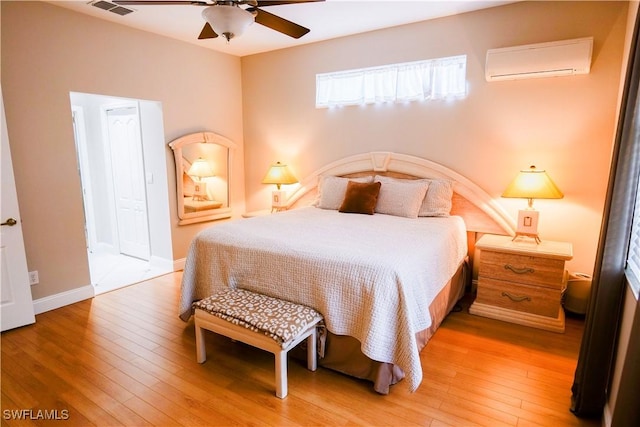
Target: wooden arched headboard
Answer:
pixel 479 210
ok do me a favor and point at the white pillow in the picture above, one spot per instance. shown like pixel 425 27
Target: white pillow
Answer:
pixel 438 199
pixel 331 190
pixel 401 197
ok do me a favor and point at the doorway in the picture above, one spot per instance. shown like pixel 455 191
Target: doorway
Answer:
pixel 122 165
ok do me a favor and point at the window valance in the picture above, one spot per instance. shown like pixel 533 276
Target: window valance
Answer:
pixel 409 81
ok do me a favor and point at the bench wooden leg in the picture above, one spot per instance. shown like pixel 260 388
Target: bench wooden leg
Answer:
pixel 201 350
pixel 281 374
pixel 312 354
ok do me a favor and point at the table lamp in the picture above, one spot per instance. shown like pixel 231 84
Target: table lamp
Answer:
pixel 279 174
pixel 531 184
pixel 200 169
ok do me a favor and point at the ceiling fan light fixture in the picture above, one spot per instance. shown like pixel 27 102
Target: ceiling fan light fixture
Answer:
pixel 228 20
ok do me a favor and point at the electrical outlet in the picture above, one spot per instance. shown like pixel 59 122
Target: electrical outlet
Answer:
pixel 33 278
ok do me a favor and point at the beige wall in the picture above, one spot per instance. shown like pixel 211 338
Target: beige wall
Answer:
pixel 564 124
pixel 47 52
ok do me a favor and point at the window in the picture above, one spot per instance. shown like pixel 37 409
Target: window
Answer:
pixel 409 81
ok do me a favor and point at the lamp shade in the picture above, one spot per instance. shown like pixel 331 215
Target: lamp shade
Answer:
pixel 279 174
pixel 200 168
pixel 228 20
pixel 532 184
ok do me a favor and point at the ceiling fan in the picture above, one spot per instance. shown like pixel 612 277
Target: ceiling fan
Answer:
pixel 228 19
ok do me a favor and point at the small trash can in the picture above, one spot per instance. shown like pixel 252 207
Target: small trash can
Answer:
pixel 576 297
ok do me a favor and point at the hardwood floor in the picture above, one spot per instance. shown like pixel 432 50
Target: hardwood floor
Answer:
pixel 124 358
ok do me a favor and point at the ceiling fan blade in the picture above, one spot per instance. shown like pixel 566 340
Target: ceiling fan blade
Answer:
pixel 276 2
pixel 207 32
pixel 280 24
pixel 160 2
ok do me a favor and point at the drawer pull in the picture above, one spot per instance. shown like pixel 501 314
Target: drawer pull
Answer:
pixel 517 270
pixel 516 298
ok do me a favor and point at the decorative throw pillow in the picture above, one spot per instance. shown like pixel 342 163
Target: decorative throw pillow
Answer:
pixel 331 190
pixel 401 197
pixel 360 198
pixel 438 199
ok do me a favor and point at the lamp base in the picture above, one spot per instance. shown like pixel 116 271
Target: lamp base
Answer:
pixel 532 235
pixel 528 223
pixel 200 191
pixel 278 200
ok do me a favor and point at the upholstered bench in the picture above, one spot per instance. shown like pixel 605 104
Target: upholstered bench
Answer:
pixel 264 322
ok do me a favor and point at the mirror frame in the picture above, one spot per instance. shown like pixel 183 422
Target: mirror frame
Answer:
pixel 199 138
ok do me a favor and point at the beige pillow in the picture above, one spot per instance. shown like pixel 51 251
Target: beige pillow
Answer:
pixel 401 197
pixel 438 199
pixel 331 190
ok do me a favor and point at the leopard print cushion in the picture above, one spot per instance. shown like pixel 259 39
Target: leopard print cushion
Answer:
pixel 281 320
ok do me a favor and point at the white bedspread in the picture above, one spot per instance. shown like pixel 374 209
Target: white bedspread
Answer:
pixel 371 276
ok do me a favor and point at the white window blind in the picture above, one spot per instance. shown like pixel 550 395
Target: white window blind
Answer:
pixel 633 258
pixel 409 81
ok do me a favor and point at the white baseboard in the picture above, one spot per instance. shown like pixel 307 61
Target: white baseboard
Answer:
pixel 52 302
pixel 178 264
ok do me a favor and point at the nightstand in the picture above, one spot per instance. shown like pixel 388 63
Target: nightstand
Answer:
pixel 256 213
pixel 522 282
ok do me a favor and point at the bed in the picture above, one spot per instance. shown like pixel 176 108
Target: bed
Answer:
pixel 384 281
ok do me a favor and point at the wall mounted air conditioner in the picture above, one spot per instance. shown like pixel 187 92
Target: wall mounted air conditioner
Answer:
pixel 561 58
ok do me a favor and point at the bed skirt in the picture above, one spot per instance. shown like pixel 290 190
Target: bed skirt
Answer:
pixel 342 353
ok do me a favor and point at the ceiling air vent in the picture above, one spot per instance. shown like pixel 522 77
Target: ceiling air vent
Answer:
pixel 111 7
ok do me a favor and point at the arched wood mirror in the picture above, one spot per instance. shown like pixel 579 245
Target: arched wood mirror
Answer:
pixel 203 172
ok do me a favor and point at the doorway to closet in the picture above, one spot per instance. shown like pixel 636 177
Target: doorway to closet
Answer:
pixel 122 166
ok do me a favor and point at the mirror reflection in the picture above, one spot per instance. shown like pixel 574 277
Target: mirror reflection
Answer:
pixel 202 176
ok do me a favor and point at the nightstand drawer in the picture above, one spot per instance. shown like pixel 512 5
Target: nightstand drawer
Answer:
pixel 528 299
pixel 525 269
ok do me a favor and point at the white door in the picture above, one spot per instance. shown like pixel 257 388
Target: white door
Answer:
pixel 16 303
pixel 129 181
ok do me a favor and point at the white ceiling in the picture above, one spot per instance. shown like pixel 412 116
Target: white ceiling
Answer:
pixel 327 20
